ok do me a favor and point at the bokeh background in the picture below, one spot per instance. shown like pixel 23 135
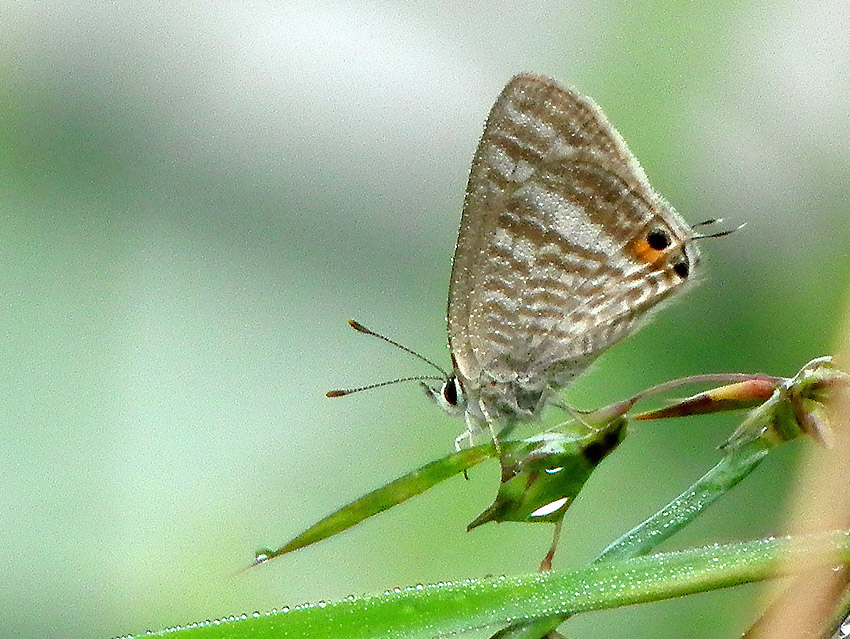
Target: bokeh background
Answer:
pixel 195 198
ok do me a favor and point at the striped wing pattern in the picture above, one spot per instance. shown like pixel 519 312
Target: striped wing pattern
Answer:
pixel 553 263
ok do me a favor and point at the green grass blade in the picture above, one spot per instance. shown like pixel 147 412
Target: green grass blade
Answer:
pixel 421 612
pixel 385 497
pixel 724 476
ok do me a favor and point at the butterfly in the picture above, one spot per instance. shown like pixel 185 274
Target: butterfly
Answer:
pixel 563 249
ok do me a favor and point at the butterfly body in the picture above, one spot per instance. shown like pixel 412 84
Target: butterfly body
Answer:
pixel 563 248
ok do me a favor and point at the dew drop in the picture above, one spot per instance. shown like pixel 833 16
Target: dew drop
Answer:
pixel 551 507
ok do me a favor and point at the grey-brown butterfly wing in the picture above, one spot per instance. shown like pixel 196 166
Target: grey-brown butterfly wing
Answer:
pixel 563 244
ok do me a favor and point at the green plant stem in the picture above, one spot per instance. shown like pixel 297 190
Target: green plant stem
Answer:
pixel 425 611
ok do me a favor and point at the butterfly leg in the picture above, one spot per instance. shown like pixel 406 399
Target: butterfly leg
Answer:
pixel 464 440
pixel 572 412
pixel 489 419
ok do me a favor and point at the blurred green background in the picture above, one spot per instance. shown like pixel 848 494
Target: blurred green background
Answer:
pixel 195 198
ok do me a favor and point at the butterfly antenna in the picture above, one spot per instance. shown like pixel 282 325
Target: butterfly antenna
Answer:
pixel 357 326
pixel 349 391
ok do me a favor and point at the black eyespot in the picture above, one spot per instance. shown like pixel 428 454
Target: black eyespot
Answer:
pixel 450 392
pixel 658 239
pixel 681 269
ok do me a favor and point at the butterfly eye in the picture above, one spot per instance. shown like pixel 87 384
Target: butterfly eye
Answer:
pixel 681 269
pixel 450 391
pixel 658 239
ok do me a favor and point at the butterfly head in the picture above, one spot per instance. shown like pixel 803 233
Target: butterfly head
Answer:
pixel 450 395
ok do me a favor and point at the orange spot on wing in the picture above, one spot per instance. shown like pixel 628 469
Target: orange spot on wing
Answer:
pixel 640 249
